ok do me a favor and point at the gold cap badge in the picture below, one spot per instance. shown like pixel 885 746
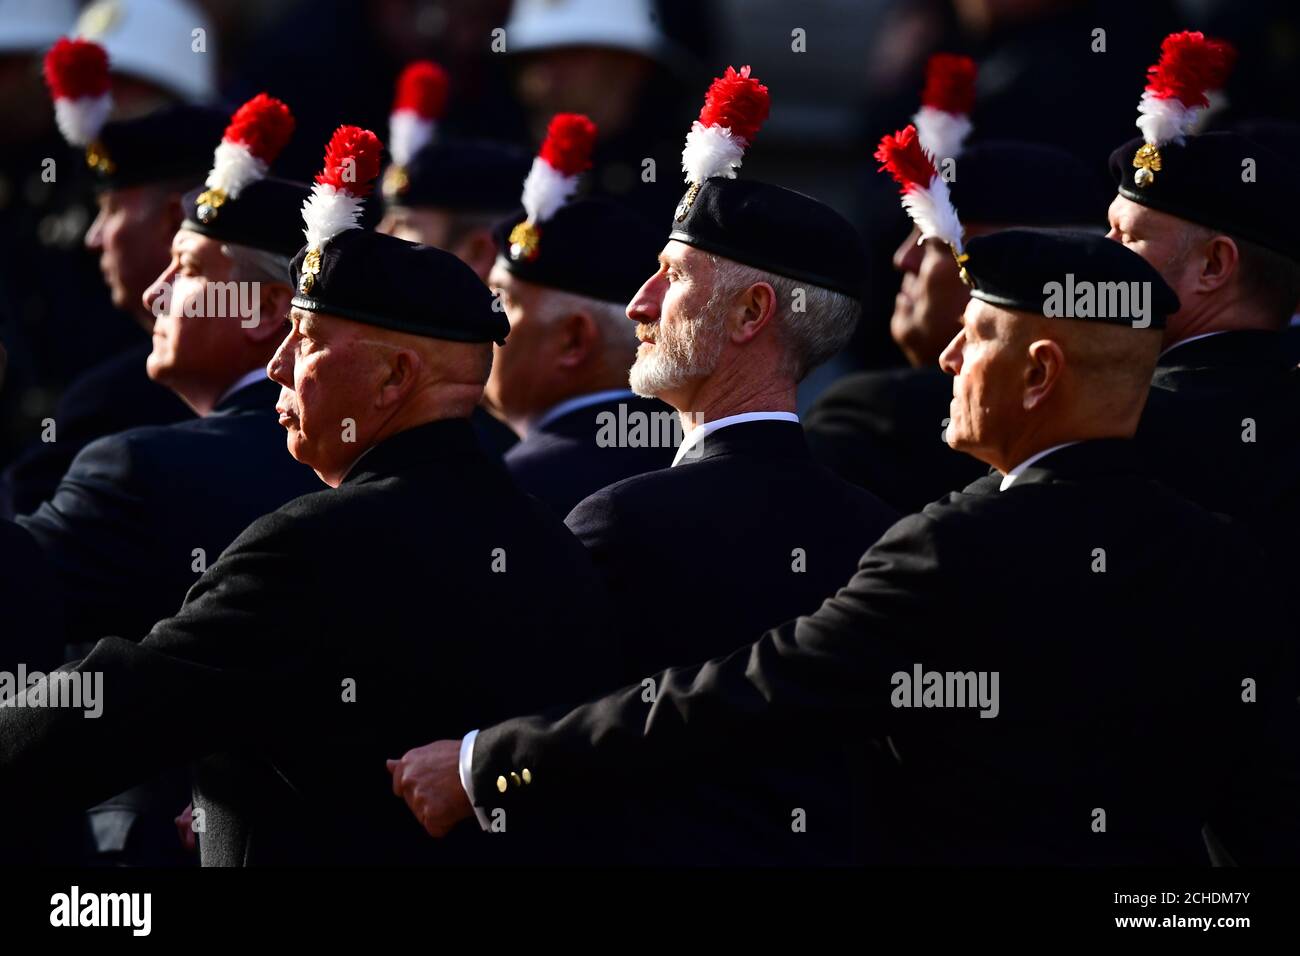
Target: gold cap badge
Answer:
pixel 97 158
pixel 687 202
pixel 310 270
pixel 396 182
pixel 524 240
pixel 207 204
pixel 1147 162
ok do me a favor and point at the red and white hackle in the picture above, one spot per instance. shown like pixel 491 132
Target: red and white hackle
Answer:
pixel 565 155
pixel 1191 65
pixel 76 71
pixel 257 132
pixel 735 108
pixel 419 103
pixel 926 199
pixel 943 121
pixel 335 204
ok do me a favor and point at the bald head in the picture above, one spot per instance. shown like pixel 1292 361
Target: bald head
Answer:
pixel 1023 382
pixel 346 386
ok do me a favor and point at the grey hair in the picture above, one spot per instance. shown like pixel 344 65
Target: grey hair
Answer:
pixel 813 323
pixel 617 331
pixel 257 265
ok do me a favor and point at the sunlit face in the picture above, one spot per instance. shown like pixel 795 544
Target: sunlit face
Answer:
pixel 930 300
pixel 681 341
pixel 522 370
pixel 190 345
pixel 429 227
pixel 328 377
pixel 988 369
pixel 1160 239
pixel 131 234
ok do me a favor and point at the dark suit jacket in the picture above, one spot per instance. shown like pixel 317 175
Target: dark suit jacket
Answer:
pixel 1119 691
pixel 883 431
pixel 31 627
pixel 423 595
pixel 110 398
pixel 122 526
pixel 698 559
pixel 564 460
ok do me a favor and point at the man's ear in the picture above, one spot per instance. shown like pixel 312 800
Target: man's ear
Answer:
pixel 402 370
pixel 1043 373
pixel 578 338
pixel 273 299
pixel 1219 265
pixel 753 312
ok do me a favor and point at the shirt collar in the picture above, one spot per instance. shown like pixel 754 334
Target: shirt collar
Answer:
pixel 580 401
pixel 245 380
pixel 1191 338
pixel 704 428
pixel 1010 477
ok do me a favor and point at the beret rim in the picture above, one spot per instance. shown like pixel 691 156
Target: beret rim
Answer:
pixel 1143 198
pixel 761 262
pixel 388 322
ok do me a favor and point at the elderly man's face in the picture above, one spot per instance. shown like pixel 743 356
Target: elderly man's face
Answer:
pixel 190 345
pixel 988 369
pixel 930 300
pixel 521 383
pixel 681 335
pixel 1163 241
pixel 131 234
pixel 429 227
pixel 328 377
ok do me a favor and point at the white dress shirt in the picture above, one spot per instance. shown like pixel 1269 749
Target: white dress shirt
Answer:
pixel 466 765
pixel 1010 477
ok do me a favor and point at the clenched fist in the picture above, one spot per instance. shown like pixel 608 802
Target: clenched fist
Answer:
pixel 428 779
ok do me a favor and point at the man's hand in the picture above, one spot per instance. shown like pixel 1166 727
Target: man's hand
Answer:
pixel 185 828
pixel 428 779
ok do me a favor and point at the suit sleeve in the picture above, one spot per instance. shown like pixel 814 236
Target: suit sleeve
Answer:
pixel 813 675
pixel 233 662
pixel 96 533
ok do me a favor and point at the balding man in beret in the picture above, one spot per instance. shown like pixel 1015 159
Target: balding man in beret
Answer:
pixel 418 591
pixel 1048 691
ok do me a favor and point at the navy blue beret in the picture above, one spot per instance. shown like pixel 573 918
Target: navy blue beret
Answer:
pixel 1021 269
pixel 1203 182
pixel 459 176
pixel 267 216
pixel 176 142
pixel 394 284
pixel 592 247
pixel 774 229
pixel 1002 182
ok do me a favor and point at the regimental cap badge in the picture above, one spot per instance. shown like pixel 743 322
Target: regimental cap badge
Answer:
pixel 419 102
pixel 552 180
pixel 76 72
pixel 1175 100
pixel 336 201
pixel 256 134
pixel 925 195
pixel 735 107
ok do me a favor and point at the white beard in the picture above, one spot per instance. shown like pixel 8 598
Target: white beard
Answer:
pixel 680 356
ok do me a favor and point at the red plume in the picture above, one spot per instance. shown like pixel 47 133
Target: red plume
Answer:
pixel 949 83
pixel 76 68
pixel 569 141
pixel 903 158
pixel 1190 65
pixel 737 101
pixel 363 148
pixel 263 124
pixel 422 89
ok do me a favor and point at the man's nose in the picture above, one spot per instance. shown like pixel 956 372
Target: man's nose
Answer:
pixel 644 306
pixel 950 359
pixel 907 257
pixel 157 291
pixel 280 368
pixel 95 234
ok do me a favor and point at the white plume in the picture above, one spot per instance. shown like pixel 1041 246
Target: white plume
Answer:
pixel 408 132
pixel 942 134
pixel 1165 120
pixel 233 168
pixel 932 211
pixel 711 151
pixel 80 120
pixel 327 212
pixel 546 189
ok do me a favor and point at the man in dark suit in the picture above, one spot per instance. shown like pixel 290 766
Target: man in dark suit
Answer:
pixel 745 530
pixel 1045 650
pixel 155 158
pixel 883 429
pixel 1223 420
pixel 561 379
pixel 419 589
